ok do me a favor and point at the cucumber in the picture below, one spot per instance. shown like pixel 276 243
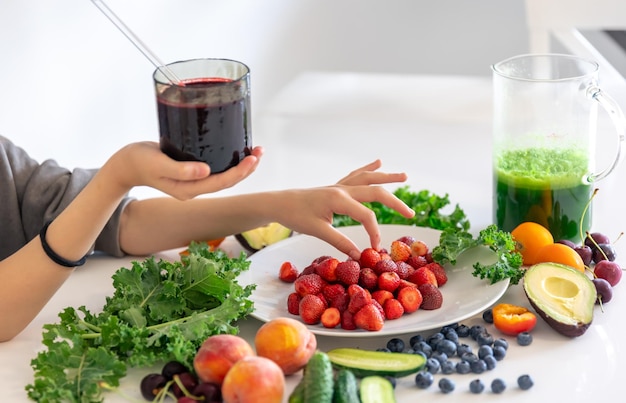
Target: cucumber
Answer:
pixel 297 395
pixel 364 363
pixel 318 379
pixel 346 387
pixel 376 389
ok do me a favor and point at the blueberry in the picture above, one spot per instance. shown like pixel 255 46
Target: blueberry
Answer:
pixel 499 353
pixel 463 331
pixel 441 357
pixel 488 316
pixel 447 347
pixel 434 339
pixel 448 367
pixel 524 339
pixel 463 349
pixel 463 367
pixel 446 385
pixel 525 382
pixel 415 339
pixel 478 366
pixel 501 343
pixel 424 348
pixel 476 330
pixel 452 335
pixel 484 351
pixel 491 362
pixel 395 345
pixel 477 386
pixel 424 379
pixel 419 353
pixel 432 365
pixel 484 339
pixel 469 357
pixel 498 385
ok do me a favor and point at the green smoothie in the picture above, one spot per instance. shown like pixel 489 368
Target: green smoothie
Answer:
pixel 543 185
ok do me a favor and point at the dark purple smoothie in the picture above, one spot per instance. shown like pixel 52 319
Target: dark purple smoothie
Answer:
pixel 207 120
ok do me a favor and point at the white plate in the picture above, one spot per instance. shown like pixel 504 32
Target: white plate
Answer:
pixel 463 295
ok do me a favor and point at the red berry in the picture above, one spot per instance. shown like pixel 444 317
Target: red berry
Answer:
pixel 431 296
pixel 288 272
pixel 348 272
pixel 417 261
pixel 423 275
pixel 311 309
pixel 381 296
pixel 410 298
pixel 388 281
pixel 368 279
pixel 610 271
pixel 340 302
pixel 309 284
pixel 327 269
pixel 439 272
pixel 293 303
pixel 404 269
pixel 359 300
pixel 369 257
pixel 347 321
pixel 393 309
pixel 399 251
pixel 331 318
pixel 385 265
pixel 369 318
pixel 330 291
pixel 419 248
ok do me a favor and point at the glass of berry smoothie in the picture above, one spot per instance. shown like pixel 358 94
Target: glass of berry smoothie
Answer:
pixel 205 116
pixel 545 118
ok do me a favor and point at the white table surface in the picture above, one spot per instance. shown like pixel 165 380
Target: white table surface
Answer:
pixel 438 130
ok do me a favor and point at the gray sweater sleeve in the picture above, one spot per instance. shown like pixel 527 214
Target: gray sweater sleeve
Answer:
pixel 33 193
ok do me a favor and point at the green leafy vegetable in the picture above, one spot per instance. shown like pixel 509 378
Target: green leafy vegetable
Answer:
pixel 160 311
pixel 509 262
pixel 428 212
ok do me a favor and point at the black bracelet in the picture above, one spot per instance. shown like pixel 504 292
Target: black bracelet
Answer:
pixel 53 255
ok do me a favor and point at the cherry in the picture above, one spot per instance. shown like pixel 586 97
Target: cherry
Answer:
pixel 604 290
pixel 609 271
pixel 151 385
pixel 567 242
pixel 605 252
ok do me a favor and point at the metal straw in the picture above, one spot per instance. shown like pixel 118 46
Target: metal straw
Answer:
pixel 166 71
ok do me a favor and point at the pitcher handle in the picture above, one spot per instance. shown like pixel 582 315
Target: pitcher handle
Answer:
pixel 617 117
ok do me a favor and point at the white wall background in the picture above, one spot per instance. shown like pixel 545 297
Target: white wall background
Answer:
pixel 74 88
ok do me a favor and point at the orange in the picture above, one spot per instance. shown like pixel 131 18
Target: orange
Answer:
pixel 559 253
pixel 529 238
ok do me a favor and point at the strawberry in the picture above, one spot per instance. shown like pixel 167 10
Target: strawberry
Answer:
pixel 330 291
pixel 379 307
pixel 359 300
pixel 320 259
pixel 432 297
pixel 385 265
pixel 404 269
pixel 417 261
pixel 369 257
pixel 354 289
pixel 381 296
pixel 348 272
pixel 347 321
pixel 423 275
pixel 407 239
pixel 388 281
pixel 288 272
pixel 399 251
pixel 393 309
pixel 369 318
pixel 405 283
pixel 308 284
pixel 327 269
pixel 368 279
pixel 293 303
pixel 311 309
pixel 331 318
pixel 310 269
pixel 410 298
pixel 439 272
pixel 419 248
pixel 340 302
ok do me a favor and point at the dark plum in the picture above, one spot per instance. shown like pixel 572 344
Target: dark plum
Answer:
pixel 173 368
pixel 211 392
pixel 604 290
pixel 605 252
pixel 151 385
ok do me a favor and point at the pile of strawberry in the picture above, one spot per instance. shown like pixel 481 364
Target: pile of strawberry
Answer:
pixel 382 285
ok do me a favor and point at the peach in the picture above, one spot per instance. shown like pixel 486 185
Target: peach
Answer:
pixel 218 354
pixel 254 379
pixel 287 342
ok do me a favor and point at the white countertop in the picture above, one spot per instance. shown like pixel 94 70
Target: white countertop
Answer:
pixel 438 130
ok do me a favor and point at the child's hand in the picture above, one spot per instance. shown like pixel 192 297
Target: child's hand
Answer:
pixel 367 175
pixel 143 164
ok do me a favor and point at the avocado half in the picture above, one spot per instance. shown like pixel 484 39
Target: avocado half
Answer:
pixel 563 296
pixel 258 238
